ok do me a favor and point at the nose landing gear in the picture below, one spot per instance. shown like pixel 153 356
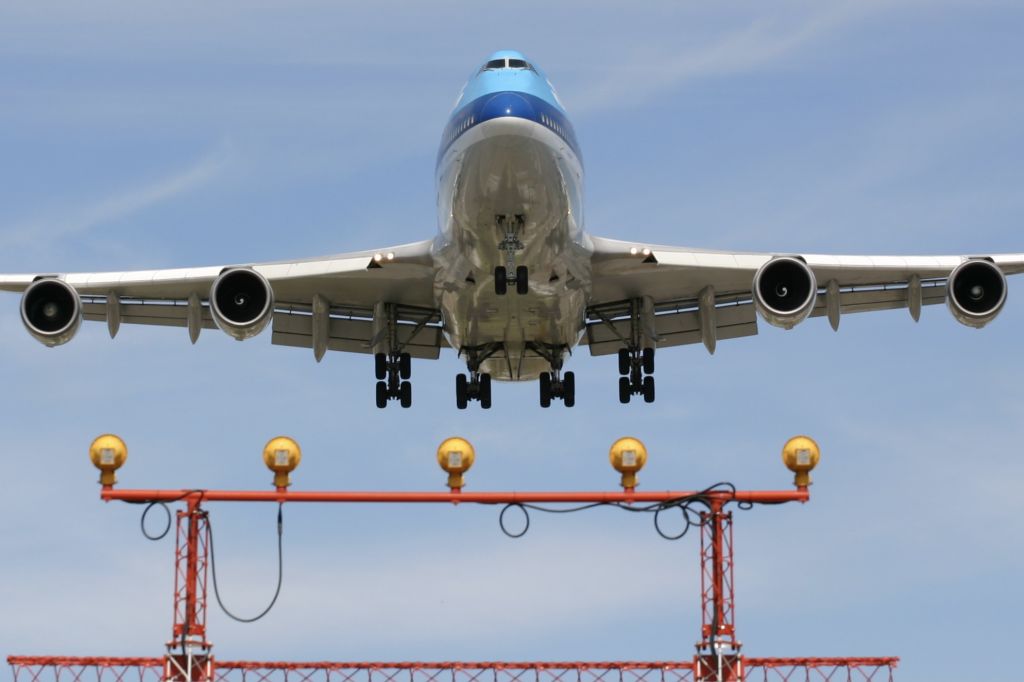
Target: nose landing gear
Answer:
pixel 510 245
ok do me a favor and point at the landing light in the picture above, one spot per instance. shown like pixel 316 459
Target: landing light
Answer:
pixel 456 456
pixel 628 456
pixel 282 455
pixel 800 455
pixel 108 453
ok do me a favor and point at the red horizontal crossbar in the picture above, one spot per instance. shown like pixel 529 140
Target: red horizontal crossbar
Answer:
pixel 566 497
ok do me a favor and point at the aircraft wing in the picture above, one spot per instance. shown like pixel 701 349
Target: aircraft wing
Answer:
pixel 330 303
pixel 662 296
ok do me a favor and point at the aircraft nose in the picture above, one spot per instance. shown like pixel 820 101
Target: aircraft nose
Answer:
pixel 507 104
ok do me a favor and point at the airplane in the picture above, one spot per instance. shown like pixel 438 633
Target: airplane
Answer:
pixel 512 282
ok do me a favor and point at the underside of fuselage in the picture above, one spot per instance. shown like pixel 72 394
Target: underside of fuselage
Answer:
pixel 511 192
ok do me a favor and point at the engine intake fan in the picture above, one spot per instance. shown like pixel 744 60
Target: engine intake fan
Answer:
pixel 241 302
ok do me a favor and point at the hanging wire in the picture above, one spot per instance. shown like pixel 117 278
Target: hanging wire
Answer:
pixel 686 504
pixel 280 569
pixel 167 511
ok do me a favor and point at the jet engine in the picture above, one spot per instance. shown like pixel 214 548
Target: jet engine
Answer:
pixel 51 311
pixel 784 291
pixel 242 302
pixel 975 292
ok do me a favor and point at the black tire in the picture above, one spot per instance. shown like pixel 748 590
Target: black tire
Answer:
pixel 624 390
pixel 623 361
pixel 522 280
pixel 545 389
pixel 405 365
pixel 569 389
pixel 460 391
pixel 648 389
pixel 485 391
pixel 405 394
pixel 380 366
pixel 648 361
pixel 500 281
pixel 382 395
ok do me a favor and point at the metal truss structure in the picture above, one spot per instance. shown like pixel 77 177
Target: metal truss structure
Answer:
pixel 718 657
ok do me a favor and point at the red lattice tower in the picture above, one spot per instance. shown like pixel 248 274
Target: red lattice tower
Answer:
pixel 718 658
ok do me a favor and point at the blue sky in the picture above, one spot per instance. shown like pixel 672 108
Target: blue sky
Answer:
pixel 137 137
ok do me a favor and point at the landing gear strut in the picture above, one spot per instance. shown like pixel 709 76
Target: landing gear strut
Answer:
pixel 634 364
pixel 555 384
pixel 393 371
pixel 510 245
pixel 394 367
pixel 476 385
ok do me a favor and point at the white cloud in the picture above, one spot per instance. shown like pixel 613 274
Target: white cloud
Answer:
pixel 72 220
pixel 755 45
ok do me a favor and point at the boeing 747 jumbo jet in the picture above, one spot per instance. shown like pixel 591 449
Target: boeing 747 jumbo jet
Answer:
pixel 512 282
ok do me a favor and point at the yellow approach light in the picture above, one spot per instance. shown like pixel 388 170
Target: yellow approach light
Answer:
pixel 108 454
pixel 456 456
pixel 800 455
pixel 282 455
pixel 628 456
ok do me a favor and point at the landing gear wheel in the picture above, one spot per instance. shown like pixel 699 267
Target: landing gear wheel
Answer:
pixel 569 389
pixel 545 389
pixel 623 361
pixel 382 395
pixel 405 394
pixel 380 366
pixel 500 281
pixel 648 387
pixel 648 360
pixel 405 365
pixel 461 398
pixel 522 280
pixel 485 391
pixel 624 390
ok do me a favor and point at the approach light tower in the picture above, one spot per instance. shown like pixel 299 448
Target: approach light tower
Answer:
pixel 188 655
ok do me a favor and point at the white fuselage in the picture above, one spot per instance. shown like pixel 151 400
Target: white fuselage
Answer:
pixel 512 166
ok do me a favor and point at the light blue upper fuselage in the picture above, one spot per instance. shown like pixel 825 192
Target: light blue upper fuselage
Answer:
pixel 485 81
pixel 519 91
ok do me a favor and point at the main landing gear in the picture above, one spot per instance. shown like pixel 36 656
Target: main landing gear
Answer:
pixel 476 385
pixel 510 245
pixel 555 384
pixel 393 371
pixel 634 364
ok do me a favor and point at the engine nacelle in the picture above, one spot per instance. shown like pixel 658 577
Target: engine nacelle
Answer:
pixel 51 311
pixel 785 290
pixel 242 302
pixel 976 292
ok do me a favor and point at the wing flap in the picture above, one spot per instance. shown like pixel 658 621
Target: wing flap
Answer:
pixel 606 334
pixel 159 313
pixel 421 339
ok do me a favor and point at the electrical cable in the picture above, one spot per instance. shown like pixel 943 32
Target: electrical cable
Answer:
pixel 683 504
pixel 280 570
pixel 167 510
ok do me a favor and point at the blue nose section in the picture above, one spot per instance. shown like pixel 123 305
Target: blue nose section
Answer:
pixel 508 104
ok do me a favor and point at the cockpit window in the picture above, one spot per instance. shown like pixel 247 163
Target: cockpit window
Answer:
pixel 506 63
